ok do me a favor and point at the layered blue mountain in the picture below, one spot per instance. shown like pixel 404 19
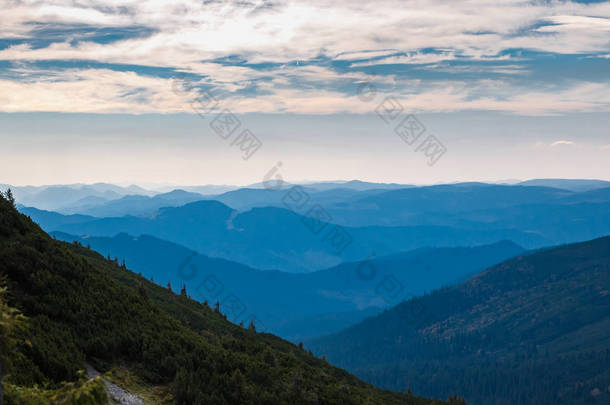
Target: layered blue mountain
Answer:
pixel 444 204
pixel 376 221
pixel 247 198
pixel 276 238
pixel 534 329
pixel 299 306
pixel 136 205
pixel 77 198
pixel 546 215
pixel 463 205
pixel 356 185
pixel 56 197
pixel 568 184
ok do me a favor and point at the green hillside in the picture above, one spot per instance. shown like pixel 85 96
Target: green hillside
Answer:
pixel 532 330
pixel 82 308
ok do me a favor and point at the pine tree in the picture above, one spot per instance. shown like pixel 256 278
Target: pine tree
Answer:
pixel 142 289
pixel 409 394
pixel 252 326
pixel 10 197
pixel 183 290
pixel 169 286
pixel 455 400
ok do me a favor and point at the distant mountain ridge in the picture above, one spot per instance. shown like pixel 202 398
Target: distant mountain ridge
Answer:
pixel 135 205
pixel 295 305
pixel 274 238
pixel 53 197
pixel 568 184
pixel 92 199
pixel 262 229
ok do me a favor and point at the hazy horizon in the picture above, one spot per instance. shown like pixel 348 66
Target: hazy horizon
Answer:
pixel 182 149
pixel 163 186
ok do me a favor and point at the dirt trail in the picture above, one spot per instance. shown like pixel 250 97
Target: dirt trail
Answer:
pixel 117 394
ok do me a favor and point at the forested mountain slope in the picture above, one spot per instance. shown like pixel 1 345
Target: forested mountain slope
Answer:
pixel 532 330
pixel 84 308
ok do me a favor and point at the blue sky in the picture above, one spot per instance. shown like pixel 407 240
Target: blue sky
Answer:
pixel 498 82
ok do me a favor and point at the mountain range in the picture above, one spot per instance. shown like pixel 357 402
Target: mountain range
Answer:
pixel 84 309
pixel 273 238
pixel 300 237
pixel 296 306
pixel 75 198
pixel 135 205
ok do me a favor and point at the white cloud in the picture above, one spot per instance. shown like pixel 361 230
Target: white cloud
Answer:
pixel 188 34
pixel 364 54
pixel 575 22
pixel 190 30
pixel 108 91
pixel 411 58
pixel 91 90
pixel 562 142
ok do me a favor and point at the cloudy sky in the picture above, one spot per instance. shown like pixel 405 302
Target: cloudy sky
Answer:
pixel 127 91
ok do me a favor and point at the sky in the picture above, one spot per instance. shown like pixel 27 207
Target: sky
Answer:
pixel 219 92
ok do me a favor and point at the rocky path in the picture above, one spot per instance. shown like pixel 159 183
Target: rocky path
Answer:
pixel 116 393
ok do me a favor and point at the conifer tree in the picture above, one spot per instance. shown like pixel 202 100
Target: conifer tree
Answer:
pixel 10 197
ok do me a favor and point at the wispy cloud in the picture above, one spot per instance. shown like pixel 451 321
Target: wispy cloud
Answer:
pixel 562 142
pixel 292 90
pixel 365 54
pixel 411 58
pixel 447 49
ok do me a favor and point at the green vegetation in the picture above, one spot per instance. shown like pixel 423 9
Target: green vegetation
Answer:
pixel 82 308
pixel 84 391
pixel 10 321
